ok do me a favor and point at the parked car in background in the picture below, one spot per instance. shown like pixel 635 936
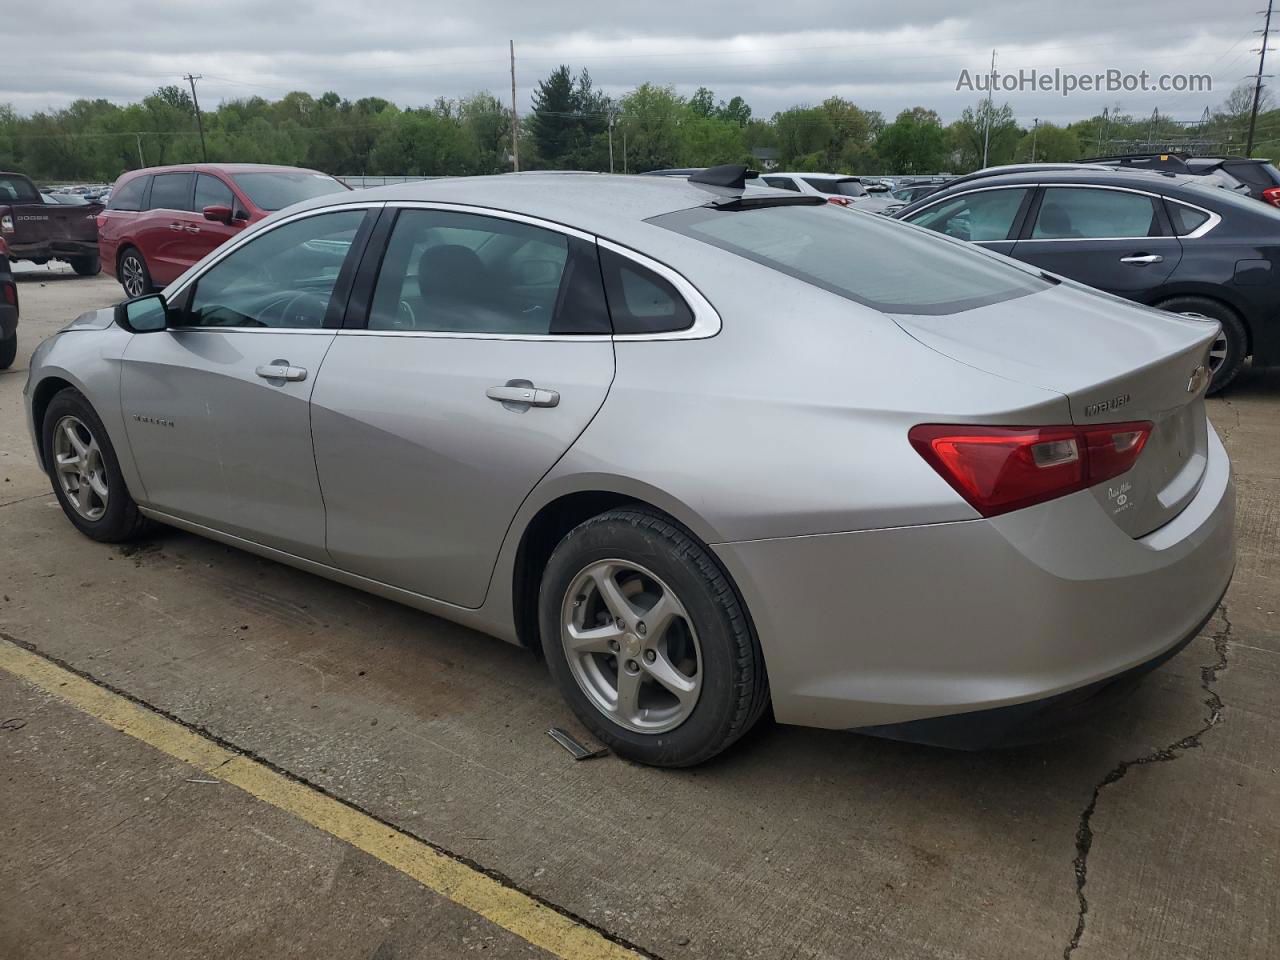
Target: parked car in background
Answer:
pixel 8 310
pixel 38 230
pixel 840 189
pixel 1214 170
pixel 162 220
pixel 68 199
pixel 1165 240
pixel 564 410
pixel 1260 176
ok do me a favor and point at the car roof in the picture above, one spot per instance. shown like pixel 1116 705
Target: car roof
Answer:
pixel 224 168
pixel 810 174
pixel 610 205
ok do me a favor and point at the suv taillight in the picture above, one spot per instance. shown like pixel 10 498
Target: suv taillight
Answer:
pixel 1272 196
pixel 6 223
pixel 839 201
pixel 1000 469
pixel 9 292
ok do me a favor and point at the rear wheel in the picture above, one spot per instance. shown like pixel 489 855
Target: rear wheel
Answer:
pixel 8 351
pixel 87 266
pixel 647 640
pixel 1229 349
pixel 134 275
pixel 85 472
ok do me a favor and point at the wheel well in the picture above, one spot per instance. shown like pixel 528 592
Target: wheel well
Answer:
pixel 1218 301
pixel 120 252
pixel 45 391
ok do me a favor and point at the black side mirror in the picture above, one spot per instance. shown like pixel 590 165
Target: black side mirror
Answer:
pixel 143 314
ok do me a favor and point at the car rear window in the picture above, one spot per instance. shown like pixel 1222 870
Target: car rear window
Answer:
pixel 281 188
pixel 875 261
pixel 18 190
pixel 842 188
pixel 128 197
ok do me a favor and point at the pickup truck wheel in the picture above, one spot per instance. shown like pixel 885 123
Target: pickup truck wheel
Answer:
pixel 89 266
pixel 134 275
pixel 8 350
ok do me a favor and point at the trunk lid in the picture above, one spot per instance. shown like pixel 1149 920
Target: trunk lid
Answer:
pixel 1115 362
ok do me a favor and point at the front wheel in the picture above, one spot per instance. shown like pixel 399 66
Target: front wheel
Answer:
pixel 85 472
pixel 87 266
pixel 134 275
pixel 648 641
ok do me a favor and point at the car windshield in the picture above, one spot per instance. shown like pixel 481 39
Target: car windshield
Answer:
pixel 880 263
pixel 18 190
pixel 280 188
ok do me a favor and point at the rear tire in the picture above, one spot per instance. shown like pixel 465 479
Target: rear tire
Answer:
pixel 85 472
pixel 698 672
pixel 134 275
pixel 8 351
pixel 1227 355
pixel 88 266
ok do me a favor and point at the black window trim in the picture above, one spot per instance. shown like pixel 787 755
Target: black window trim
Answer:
pixel 706 321
pixel 1162 217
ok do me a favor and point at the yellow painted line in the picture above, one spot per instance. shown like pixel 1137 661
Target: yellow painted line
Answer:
pixel 507 908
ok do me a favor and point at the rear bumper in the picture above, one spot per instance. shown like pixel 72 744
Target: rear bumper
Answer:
pixel 53 249
pixel 886 627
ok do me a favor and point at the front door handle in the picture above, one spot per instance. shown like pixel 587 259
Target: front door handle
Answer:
pixel 522 394
pixel 281 370
pixel 1143 258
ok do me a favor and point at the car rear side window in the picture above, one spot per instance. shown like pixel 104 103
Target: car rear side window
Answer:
pixel 880 263
pixel 129 197
pixel 18 190
pixel 782 183
pixel 1072 213
pixel 171 191
pixel 1185 219
pixel 641 301
pixel 986 215
pixel 843 188
pixel 212 192
pixel 462 273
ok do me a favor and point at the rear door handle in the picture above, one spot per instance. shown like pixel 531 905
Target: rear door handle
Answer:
pixel 522 393
pixel 281 370
pixel 1143 258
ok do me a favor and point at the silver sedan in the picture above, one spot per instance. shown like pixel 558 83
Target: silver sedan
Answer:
pixel 710 450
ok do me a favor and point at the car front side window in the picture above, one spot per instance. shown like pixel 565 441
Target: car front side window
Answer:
pixel 283 278
pixel 986 215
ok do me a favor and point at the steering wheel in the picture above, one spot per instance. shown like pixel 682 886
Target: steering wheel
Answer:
pixel 405 319
pixel 298 310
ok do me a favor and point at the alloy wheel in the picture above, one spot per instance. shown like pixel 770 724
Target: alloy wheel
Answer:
pixel 82 474
pixel 631 646
pixel 132 276
pixel 1218 350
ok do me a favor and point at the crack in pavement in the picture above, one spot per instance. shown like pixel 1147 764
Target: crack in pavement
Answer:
pixel 1084 832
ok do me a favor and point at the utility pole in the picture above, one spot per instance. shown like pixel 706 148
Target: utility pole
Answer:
pixel 1035 128
pixel 1257 86
pixel 624 149
pixel 611 119
pixel 515 120
pixel 986 131
pixel 141 162
pixel 199 123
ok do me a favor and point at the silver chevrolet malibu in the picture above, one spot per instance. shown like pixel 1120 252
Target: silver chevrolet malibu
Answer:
pixel 712 450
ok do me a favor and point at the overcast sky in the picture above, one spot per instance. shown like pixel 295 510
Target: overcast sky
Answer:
pixel 883 56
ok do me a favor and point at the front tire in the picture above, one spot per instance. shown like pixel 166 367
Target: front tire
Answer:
pixel 87 266
pixel 8 351
pixel 1227 354
pixel 134 275
pixel 648 641
pixel 85 471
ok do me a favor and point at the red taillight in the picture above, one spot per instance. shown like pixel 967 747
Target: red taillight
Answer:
pixel 101 221
pixel 999 469
pixel 10 293
pixel 1272 196
pixel 839 201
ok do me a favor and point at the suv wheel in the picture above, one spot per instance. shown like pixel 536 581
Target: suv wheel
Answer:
pixel 8 351
pixel 87 266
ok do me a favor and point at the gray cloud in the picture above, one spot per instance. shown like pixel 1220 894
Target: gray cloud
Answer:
pixel 881 56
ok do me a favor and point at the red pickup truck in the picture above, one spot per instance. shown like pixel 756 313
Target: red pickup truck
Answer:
pixel 38 231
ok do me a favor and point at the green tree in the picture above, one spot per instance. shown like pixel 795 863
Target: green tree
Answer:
pixel 914 143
